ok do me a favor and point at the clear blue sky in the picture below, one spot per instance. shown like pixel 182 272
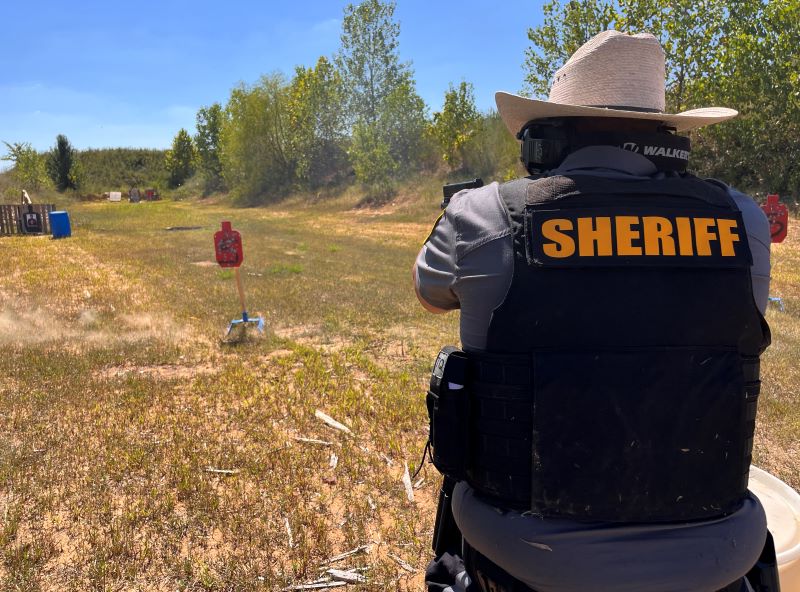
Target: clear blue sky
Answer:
pixel 108 73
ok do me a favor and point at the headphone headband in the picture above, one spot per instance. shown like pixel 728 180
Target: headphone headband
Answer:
pixel 545 144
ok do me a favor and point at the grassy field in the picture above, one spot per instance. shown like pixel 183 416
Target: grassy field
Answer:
pixel 140 452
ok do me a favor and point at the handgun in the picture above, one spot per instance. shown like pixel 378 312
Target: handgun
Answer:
pixel 451 189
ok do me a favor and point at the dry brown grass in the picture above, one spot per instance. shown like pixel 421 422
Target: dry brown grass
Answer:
pixel 117 396
pixel 120 404
pixel 777 447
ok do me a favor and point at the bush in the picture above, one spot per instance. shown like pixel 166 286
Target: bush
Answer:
pixel 373 163
pixel 492 152
pixel 115 169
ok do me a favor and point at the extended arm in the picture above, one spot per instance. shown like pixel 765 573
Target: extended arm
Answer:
pixel 434 272
pixel 425 304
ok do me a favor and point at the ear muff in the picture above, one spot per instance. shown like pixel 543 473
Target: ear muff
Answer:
pixel 545 144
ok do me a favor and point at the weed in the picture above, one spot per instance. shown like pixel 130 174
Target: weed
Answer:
pixel 283 268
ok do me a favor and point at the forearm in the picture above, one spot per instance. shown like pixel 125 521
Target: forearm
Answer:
pixel 425 304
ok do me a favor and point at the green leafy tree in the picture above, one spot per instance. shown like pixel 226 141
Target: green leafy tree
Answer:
pixel 180 159
pixel 317 123
pixel 29 170
pixel 62 166
pixel 564 29
pixel 256 144
pixel 692 33
pixel 733 54
pixel 491 152
pixel 369 59
pixel 403 122
pixel 758 73
pixel 207 146
pixel 381 96
pixel 107 169
pixel 456 123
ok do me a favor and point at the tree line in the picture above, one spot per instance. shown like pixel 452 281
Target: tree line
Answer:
pixel 65 168
pixel 359 114
pixel 356 115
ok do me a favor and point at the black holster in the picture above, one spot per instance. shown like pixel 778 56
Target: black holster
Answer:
pixel 448 411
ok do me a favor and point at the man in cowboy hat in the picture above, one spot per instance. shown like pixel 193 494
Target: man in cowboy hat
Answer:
pixel 611 322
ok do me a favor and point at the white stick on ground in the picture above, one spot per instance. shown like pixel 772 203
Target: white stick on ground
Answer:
pixel 221 471
pixel 346 554
pixel 401 563
pixel 356 551
pixel 331 422
pixel 312 441
pixel 350 577
pixel 407 483
pixel 289 531
pixel 320 586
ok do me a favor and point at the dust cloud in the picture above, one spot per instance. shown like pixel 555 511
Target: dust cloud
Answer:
pixel 89 329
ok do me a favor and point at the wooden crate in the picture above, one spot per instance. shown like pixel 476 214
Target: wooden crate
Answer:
pixel 11 217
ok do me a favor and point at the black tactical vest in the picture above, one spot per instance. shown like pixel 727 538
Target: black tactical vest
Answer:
pixel 621 377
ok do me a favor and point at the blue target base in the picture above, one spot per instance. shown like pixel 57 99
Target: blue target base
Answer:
pixel 777 302
pixel 246 320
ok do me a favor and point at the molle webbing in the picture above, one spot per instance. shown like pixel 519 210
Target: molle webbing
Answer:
pixel 620 382
pixel 504 447
pixel 502 421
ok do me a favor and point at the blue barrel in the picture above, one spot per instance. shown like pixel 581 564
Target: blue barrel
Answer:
pixel 59 224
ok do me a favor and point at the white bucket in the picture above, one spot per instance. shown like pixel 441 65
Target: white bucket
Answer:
pixel 782 505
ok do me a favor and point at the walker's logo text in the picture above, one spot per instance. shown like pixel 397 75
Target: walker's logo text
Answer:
pixel 662 151
pixel 597 237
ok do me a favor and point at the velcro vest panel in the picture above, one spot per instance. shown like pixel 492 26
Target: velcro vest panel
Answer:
pixel 621 374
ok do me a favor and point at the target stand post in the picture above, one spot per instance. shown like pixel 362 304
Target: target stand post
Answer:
pixel 229 253
pixel 259 322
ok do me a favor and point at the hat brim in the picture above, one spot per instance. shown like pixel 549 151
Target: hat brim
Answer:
pixel 516 111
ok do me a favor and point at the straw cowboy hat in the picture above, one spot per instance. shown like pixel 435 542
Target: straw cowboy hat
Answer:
pixel 611 75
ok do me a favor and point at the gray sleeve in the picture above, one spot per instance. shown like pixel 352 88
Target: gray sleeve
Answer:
pixel 759 239
pixel 436 265
pixel 467 262
pixel 446 270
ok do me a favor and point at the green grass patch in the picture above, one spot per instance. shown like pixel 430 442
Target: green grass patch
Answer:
pixel 285 268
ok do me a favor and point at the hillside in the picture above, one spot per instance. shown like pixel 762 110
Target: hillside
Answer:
pixel 118 169
pixel 99 171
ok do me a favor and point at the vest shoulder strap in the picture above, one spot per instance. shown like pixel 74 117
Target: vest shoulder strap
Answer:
pixel 513 194
pixel 532 191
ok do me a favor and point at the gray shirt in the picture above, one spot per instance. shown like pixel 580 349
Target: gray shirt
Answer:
pixel 467 262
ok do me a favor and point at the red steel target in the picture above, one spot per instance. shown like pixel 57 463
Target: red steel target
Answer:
pixel 778 217
pixel 228 246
